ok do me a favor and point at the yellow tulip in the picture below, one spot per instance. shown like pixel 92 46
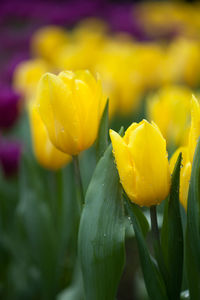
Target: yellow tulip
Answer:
pixel 170 110
pixel 47 40
pixel 185 173
pixel 71 105
pixel 26 76
pixel 142 163
pixel 45 152
pixel 121 79
pixel 195 126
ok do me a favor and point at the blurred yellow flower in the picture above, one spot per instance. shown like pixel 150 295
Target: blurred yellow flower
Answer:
pixel 71 106
pixel 47 40
pixel 121 80
pixel 182 62
pixel 45 152
pixel 195 126
pixel 26 76
pixel 169 108
pixel 185 173
pixel 142 163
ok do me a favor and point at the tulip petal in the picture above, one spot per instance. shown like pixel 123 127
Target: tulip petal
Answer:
pixel 148 152
pixel 195 126
pixel 124 166
pixel 45 152
pixel 66 124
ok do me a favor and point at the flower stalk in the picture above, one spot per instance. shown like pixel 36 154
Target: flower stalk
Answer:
pixel 78 178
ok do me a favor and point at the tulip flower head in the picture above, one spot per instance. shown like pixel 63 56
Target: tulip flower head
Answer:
pixel 71 105
pixel 170 110
pixel 142 163
pixel 46 153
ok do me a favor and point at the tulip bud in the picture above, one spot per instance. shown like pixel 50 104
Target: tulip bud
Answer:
pixel 71 105
pixel 142 163
pixel 185 173
pixel 45 152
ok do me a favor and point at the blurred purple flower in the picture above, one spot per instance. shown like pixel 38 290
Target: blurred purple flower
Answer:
pixel 122 17
pixel 9 107
pixel 10 152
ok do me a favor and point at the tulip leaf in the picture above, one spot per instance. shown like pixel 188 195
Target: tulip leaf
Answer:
pixel 102 140
pixel 75 290
pixel 192 230
pixel 172 236
pixel 102 232
pixel 144 224
pixel 48 215
pixel 153 280
pixel 193 274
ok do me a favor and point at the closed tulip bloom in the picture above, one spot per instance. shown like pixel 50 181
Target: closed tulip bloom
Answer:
pixel 185 173
pixel 71 105
pixel 142 163
pixel 195 126
pixel 45 152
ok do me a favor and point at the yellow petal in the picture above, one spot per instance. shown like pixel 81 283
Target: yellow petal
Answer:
pixel 70 105
pixel 124 165
pixel 195 126
pixel 58 112
pixel 47 155
pixel 148 153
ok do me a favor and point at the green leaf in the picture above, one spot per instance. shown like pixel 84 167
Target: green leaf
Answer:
pixel 172 236
pixel 192 230
pixel 49 217
pixel 75 290
pixel 152 277
pixel 193 275
pixel 144 224
pixel 102 141
pixel 102 232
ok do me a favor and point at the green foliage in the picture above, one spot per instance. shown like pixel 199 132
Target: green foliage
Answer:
pixel 102 232
pixel 172 237
pixel 192 231
pixel 153 279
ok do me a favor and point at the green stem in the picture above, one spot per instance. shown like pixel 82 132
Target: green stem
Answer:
pixel 59 190
pixel 157 246
pixel 154 224
pixel 78 177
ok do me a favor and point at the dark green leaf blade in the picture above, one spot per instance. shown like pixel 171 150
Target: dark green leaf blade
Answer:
pixel 152 277
pixel 172 236
pixel 102 232
pixel 102 141
pixel 193 206
pixel 192 229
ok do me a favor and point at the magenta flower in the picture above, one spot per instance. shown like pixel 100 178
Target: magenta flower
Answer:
pixel 10 152
pixel 9 107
